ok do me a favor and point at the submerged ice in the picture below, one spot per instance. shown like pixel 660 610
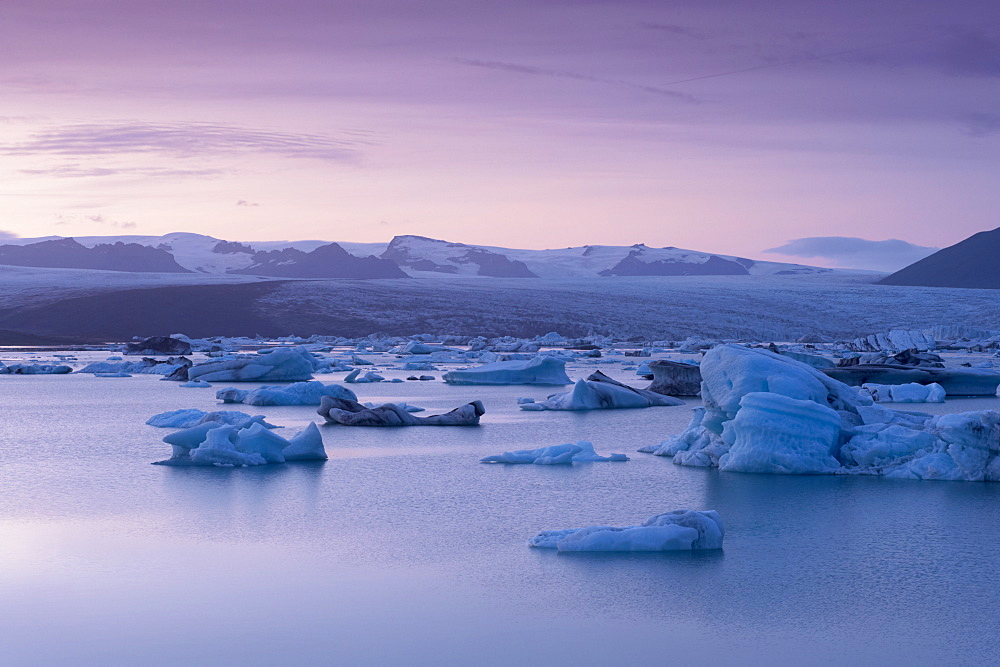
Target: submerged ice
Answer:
pixel 581 452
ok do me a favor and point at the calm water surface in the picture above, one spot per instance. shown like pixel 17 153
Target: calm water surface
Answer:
pixel 402 549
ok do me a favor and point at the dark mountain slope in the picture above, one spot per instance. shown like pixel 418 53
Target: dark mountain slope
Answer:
pixel 972 263
pixel 68 254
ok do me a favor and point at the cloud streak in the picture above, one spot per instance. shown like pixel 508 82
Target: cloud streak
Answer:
pixel 564 74
pixel 183 140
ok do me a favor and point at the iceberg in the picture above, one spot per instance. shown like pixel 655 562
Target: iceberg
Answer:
pixel 298 393
pixel 219 444
pixel 673 378
pixel 581 452
pixel 352 413
pixel 186 418
pixel 545 370
pixel 34 369
pixel 191 384
pixel 680 530
pixel 767 413
pixel 912 392
pixel 600 392
pixel 283 364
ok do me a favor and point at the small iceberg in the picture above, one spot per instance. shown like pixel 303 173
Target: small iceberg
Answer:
pixel 680 530
pixel 298 393
pixel 600 392
pixel 352 413
pixel 913 392
pixel 188 417
pixel 543 370
pixel 581 452
pixel 224 445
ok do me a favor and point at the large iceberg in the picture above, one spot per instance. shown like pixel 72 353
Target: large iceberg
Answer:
pixel 767 413
pixel 352 413
pixel 219 444
pixel 544 370
pixel 581 452
pixel 283 364
pixel 599 392
pixel 680 530
pixel 297 393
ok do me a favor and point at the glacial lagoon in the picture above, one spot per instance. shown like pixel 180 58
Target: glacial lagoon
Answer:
pixel 403 549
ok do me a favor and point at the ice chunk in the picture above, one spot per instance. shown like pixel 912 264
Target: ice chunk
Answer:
pixel 306 446
pixel 544 370
pixel 284 364
pixel 352 413
pixel 912 392
pixel 776 434
pixel 258 439
pixel 298 393
pixel 581 452
pixel 191 417
pixel 680 530
pixel 219 449
pixel 600 392
pixel 195 384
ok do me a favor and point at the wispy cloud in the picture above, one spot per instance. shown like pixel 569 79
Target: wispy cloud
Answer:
pixel 79 171
pixel 565 74
pixel 857 253
pixel 100 219
pixel 183 140
pixel 980 124
pixel 244 202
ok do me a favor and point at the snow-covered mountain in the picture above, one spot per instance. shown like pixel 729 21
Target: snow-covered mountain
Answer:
pixel 424 257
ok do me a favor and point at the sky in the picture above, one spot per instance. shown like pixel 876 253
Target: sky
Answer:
pixel 729 127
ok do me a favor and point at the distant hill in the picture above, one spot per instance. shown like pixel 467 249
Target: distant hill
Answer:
pixel 972 263
pixel 420 253
pixel 328 261
pixel 68 254
pixel 423 257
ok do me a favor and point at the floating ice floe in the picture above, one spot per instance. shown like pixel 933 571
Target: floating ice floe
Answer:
pixel 543 370
pixel 581 452
pixel 298 393
pixel 405 406
pixel 112 375
pixel 189 417
pixel 218 444
pixel 954 381
pixel 352 413
pixel 196 384
pixel 906 393
pixel 146 366
pixel 34 369
pixel 599 392
pixel 355 377
pixel 283 364
pixel 680 530
pixel 766 413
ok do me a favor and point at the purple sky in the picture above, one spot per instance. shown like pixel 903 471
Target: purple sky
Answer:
pixel 722 126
